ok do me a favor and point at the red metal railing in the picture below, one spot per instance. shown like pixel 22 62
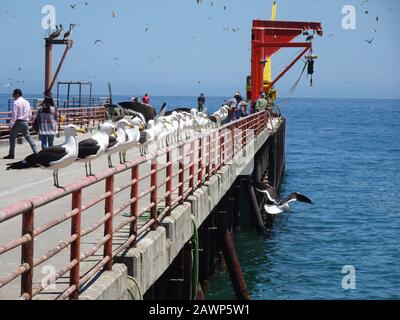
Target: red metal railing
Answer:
pixel 84 117
pixel 151 193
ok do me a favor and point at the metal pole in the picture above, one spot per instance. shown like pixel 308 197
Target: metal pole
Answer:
pixel 153 194
pixel 108 226
pixel 232 263
pixel 48 66
pixel 27 252
pixel 181 174
pixel 75 254
pixel 134 205
pixel 168 185
pixel 50 87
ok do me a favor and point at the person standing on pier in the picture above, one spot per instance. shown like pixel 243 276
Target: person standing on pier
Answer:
pixel 146 99
pixel 261 103
pixel 47 117
pixel 19 123
pixel 201 101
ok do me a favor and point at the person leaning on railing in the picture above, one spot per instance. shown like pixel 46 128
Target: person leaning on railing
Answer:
pixel 261 103
pixel 47 122
pixel 19 123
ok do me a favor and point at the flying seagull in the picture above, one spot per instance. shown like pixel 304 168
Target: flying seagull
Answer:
pixel 370 41
pixel 274 205
pixel 53 158
pixel 113 13
pixel 98 41
pixel 73 6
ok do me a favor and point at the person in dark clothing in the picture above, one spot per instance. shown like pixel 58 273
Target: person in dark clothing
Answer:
pixel 201 100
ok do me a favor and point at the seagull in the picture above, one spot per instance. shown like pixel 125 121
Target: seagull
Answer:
pixel 370 41
pixel 98 41
pixel 94 147
pixel 73 6
pixel 148 27
pixel 53 158
pixel 86 3
pixel 274 205
pixel 118 144
pixel 364 1
pixel 113 13
pixel 132 135
pixel 163 109
pixel 9 84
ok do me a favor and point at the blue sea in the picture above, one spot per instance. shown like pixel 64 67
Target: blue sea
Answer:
pixel 345 155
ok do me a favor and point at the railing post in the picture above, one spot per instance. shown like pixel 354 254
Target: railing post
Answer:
pixel 27 250
pixel 134 205
pixel 221 148
pixel 153 194
pixel 181 173
pixel 191 170
pixel 168 185
pixel 200 167
pixel 233 142
pixel 75 253
pixel 214 153
pixel 208 158
pixel 108 226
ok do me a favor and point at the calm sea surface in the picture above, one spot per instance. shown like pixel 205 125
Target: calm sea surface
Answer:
pixel 345 155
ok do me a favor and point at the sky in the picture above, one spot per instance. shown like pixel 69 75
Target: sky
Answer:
pixel 181 47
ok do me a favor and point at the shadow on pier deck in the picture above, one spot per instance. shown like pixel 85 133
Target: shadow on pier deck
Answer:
pixel 155 225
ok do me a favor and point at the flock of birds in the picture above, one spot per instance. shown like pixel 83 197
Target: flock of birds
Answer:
pixel 119 136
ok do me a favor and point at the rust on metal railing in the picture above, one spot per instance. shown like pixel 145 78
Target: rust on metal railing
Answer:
pixel 184 171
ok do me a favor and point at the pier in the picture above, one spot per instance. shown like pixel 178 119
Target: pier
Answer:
pixel 136 219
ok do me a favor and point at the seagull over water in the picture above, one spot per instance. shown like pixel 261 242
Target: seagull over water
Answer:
pixel 274 205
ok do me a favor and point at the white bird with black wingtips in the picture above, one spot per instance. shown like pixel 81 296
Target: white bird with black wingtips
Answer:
pixel 53 158
pixel 94 147
pixel 118 144
pixel 274 205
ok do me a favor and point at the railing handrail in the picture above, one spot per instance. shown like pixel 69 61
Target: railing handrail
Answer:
pixel 221 148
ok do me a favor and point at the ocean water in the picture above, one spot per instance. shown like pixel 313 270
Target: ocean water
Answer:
pixel 345 155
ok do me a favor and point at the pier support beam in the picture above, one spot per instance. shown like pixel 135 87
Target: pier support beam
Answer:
pixel 232 261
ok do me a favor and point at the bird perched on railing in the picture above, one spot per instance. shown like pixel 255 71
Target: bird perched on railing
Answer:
pixel 274 205
pixel 133 135
pixel 118 144
pixel 53 158
pixel 94 147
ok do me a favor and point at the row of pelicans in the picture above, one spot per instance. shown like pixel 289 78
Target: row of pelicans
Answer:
pixel 120 135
